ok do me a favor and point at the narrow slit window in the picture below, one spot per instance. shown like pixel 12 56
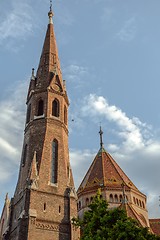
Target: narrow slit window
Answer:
pixel 65 115
pixel 40 108
pixel 55 108
pixel 28 114
pixel 54 161
pixel 44 207
pixel 24 156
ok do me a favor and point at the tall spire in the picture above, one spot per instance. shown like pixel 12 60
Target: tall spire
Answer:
pixel 49 60
pixel 101 137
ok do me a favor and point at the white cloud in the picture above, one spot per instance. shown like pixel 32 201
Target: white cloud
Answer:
pixel 75 73
pixel 137 151
pixel 11 130
pixel 128 31
pixel 80 160
pixel 16 23
pixel 129 129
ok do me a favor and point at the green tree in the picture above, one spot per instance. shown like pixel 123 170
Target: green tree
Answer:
pixel 100 223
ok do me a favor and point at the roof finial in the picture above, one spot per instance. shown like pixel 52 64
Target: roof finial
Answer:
pixel 101 139
pixel 50 14
pixel 32 76
pixel 51 5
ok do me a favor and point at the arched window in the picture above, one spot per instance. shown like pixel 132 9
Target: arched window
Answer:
pixel 65 115
pixel 40 108
pixel 111 198
pixel 143 204
pixel 140 203
pixel 137 201
pixel 28 114
pixel 54 161
pixel 55 108
pixel 24 155
pixel 87 201
pixel 134 200
pixel 116 198
pixel 91 199
pixel 120 198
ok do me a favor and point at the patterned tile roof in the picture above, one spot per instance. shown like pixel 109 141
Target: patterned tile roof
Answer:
pixel 155 226
pixel 104 171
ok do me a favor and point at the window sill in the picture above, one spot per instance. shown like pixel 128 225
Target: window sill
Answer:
pixel 53 184
pixel 38 117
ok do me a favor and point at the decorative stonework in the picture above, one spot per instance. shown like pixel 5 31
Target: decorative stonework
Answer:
pixel 50 227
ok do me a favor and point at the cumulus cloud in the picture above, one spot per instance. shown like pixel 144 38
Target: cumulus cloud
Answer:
pixel 16 22
pixel 138 150
pixel 128 31
pixel 131 130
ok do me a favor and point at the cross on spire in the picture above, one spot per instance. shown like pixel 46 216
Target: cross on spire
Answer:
pixel 50 14
pixel 101 137
pixel 51 5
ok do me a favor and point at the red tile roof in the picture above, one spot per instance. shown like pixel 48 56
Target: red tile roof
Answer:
pixel 155 226
pixel 104 171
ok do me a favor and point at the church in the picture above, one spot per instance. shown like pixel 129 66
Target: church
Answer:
pixel 45 199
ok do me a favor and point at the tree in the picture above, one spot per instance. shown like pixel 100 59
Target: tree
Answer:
pixel 100 223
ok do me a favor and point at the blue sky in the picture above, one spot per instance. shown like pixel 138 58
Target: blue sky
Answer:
pixel 110 57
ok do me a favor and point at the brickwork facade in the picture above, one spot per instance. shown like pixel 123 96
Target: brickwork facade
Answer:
pixel 45 199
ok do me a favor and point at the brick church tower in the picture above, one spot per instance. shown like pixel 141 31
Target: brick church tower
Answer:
pixel 45 199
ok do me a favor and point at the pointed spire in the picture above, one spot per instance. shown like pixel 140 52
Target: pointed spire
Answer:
pixel 49 64
pixel 6 198
pixel 101 137
pixel 50 14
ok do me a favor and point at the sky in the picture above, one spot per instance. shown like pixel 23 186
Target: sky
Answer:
pixel 110 58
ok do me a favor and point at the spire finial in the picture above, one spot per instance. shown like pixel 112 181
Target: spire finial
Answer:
pixel 50 14
pixel 51 5
pixel 101 139
pixel 32 76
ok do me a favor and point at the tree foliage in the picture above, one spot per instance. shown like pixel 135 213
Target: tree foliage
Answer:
pixel 100 223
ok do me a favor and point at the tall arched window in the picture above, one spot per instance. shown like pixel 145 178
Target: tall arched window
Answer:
pixel 65 115
pixel 111 198
pixel 120 198
pixel 24 156
pixel 116 198
pixel 55 108
pixel 40 108
pixel 54 161
pixel 28 113
pixel 87 201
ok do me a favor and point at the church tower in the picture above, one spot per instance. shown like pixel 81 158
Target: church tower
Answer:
pixel 45 199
